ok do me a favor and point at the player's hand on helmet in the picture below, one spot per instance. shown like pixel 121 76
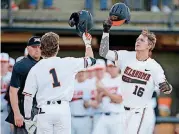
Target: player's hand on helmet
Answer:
pixel 31 125
pixel 107 25
pixel 74 19
pixel 87 38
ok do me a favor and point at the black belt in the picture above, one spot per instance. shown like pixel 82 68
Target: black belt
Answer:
pixel 109 113
pixel 81 116
pixel 53 102
pixel 127 108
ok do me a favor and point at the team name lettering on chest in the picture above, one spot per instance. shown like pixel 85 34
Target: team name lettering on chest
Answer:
pixel 129 72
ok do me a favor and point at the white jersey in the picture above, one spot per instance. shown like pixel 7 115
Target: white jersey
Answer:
pixel 113 86
pixel 77 102
pixel 139 79
pixel 52 79
pixel 5 80
pixel 90 93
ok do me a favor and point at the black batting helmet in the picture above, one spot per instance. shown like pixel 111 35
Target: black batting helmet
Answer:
pixel 83 21
pixel 119 14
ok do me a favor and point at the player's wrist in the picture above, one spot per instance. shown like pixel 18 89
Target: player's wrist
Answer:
pixel 105 34
pixel 88 45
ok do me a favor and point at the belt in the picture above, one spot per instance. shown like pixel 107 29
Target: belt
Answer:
pixel 53 102
pixel 81 116
pixel 127 108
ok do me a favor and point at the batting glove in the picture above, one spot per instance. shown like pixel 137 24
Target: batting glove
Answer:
pixel 87 38
pixel 107 25
pixel 31 125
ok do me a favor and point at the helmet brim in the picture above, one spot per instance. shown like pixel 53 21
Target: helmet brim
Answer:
pixel 118 23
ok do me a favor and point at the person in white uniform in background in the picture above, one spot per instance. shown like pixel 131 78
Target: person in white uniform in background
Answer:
pixel 5 80
pixel 81 121
pixel 112 120
pixel 11 64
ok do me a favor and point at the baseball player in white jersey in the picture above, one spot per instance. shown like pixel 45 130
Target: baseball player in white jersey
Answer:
pixel 81 120
pixel 5 80
pixel 140 76
pixel 11 64
pixel 52 81
pixel 109 95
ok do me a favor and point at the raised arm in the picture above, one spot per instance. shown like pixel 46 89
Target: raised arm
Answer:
pixel 87 38
pixel 104 45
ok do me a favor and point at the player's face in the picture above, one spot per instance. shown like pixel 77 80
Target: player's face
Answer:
pixel 100 73
pixel 4 66
pixel 142 43
pixel 113 71
pixel 81 76
pixel 90 74
pixel 34 52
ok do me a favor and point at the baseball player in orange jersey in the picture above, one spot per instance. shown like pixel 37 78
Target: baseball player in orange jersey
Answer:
pixel 109 96
pixel 81 121
pixel 140 75
pixel 52 81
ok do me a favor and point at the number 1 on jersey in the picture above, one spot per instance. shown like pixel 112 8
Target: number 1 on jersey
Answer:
pixel 55 79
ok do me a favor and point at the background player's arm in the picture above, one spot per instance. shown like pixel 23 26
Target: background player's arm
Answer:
pixel 13 93
pixel 116 98
pixel 91 103
pixel 29 92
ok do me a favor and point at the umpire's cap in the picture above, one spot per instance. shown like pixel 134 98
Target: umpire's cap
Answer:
pixel 34 41
pixel 119 14
pixel 83 21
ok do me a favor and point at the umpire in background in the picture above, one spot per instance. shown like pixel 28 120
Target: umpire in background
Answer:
pixel 17 83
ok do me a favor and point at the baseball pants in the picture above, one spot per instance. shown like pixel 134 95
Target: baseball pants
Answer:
pixel 139 121
pixel 81 125
pixel 110 124
pixel 54 118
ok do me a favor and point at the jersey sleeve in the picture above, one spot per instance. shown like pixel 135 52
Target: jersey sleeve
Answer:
pixel 15 78
pixel 30 88
pixel 158 75
pixel 81 63
pixel 122 55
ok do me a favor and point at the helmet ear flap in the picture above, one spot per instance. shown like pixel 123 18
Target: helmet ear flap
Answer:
pixel 74 19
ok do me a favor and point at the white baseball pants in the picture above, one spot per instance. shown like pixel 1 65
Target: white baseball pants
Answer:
pixel 81 125
pixel 54 119
pixel 110 124
pixel 140 121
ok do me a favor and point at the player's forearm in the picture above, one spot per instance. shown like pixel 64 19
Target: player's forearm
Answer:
pixel 114 97
pixel 28 106
pixel 99 97
pixel 14 100
pixel 89 52
pixel 104 48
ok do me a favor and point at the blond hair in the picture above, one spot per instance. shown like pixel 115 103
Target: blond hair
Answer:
pixel 49 44
pixel 151 38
